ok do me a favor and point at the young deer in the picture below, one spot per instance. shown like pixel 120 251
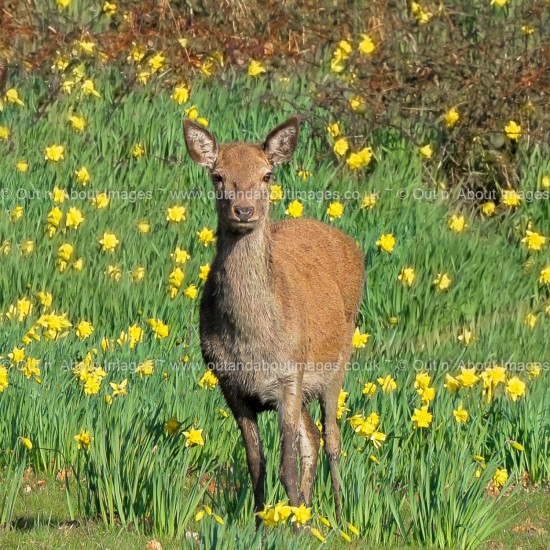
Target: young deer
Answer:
pixel 278 310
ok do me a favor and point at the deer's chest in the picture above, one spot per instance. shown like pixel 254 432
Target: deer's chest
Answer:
pixel 247 350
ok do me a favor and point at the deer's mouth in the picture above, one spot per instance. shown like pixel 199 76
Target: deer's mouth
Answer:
pixel 240 226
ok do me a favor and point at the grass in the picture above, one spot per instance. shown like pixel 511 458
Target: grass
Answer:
pixel 128 475
pixel 42 521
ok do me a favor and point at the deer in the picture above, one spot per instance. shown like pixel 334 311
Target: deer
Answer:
pixel 277 312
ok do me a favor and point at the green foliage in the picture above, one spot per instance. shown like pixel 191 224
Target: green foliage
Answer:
pixel 10 482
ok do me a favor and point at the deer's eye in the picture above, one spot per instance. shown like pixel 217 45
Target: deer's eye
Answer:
pixel 217 179
pixel 267 177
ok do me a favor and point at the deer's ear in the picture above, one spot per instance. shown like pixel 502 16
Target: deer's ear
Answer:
pixel 200 143
pixel 281 141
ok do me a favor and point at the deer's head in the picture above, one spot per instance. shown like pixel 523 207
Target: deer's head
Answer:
pixel 241 172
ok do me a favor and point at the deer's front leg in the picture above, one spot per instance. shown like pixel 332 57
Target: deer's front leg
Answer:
pixel 255 460
pixel 290 410
pixel 247 420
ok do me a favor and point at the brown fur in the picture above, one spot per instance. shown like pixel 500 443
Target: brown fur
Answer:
pixel 278 310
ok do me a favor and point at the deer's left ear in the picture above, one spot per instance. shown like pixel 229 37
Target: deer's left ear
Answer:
pixel 281 141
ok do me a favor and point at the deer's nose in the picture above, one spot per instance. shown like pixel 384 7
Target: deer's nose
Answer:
pixel 244 213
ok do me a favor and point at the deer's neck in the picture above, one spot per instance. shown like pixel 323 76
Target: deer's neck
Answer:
pixel 243 272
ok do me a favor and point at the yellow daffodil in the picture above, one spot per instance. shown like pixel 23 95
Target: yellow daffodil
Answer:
pixel 108 241
pixel 88 88
pixel 191 292
pixel 82 176
pixel 426 151
pixel 534 240
pixel 295 209
pixel 467 377
pixel 443 281
pixel 488 208
pixel 512 130
pixel 422 418
pixel 138 150
pixel 359 339
pixel 451 117
pixel 407 276
pixel 421 15
pixel 193 437
pixel 204 272
pixel 360 159
pixel 119 388
pixel 511 198
pixel 180 94
pixel 501 474
pixel 466 337
pixel 366 45
pixel 160 329
pixel 84 329
pixel 334 129
pixel 255 68
pixel 54 153
pixel 12 96
pixel 83 439
pixel 77 122
pixel 357 103
pixel 205 236
pixel 109 8
pixel 335 210
pixel 156 62
pixel 276 193
pixel 387 384
pixel 369 201
pixel 457 223
pixel 341 147
pixel 461 414
pixel 145 368
pixel 176 214
pixel 386 242
pixel 208 380
pixel 143 226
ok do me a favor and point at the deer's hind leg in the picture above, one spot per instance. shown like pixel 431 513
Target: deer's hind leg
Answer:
pixel 290 411
pixel 329 410
pixel 332 447
pixel 310 439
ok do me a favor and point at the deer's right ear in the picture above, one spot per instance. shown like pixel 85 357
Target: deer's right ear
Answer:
pixel 281 141
pixel 200 143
